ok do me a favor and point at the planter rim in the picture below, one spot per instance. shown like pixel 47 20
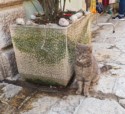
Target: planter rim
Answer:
pixel 52 26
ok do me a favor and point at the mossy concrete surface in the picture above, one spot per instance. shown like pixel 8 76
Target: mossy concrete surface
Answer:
pixel 46 52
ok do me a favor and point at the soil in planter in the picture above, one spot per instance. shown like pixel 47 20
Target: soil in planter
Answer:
pixel 42 20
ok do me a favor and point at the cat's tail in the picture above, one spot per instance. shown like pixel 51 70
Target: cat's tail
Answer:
pixel 105 68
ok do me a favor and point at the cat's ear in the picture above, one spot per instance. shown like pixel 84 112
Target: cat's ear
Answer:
pixel 77 48
pixel 89 47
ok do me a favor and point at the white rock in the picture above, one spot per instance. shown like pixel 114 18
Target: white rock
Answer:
pixel 96 106
pixel 33 17
pixel 63 22
pixel 79 14
pixel 20 21
pixel 73 18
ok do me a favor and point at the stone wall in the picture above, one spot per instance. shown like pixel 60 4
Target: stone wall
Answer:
pixel 9 11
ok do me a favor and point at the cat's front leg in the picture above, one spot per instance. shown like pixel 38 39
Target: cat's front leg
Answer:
pixel 80 87
pixel 93 87
pixel 86 89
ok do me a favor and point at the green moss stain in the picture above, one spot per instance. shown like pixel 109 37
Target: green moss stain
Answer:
pixel 37 79
pixel 48 46
pixel 43 82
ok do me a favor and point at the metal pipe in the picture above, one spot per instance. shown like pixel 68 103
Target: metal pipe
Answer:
pixel 102 24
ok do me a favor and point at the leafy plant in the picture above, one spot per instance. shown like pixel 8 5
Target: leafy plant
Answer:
pixel 52 9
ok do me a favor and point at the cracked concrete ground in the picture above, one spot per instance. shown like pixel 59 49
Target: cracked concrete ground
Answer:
pixel 109 98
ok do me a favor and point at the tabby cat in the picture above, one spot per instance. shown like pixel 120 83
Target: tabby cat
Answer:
pixel 86 69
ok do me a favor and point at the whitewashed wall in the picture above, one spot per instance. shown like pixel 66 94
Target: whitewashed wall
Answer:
pixel 75 5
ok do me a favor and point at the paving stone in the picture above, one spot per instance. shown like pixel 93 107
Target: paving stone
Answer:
pixel 103 54
pixel 9 91
pixel 55 105
pixel 96 106
pixel 41 105
pixel 106 84
pixel 75 105
pixel 119 88
pixel 66 105
pixel 118 70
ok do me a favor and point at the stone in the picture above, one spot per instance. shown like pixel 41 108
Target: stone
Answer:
pixel 9 91
pixel 119 88
pixel 55 105
pixel 73 18
pixel 7 17
pixel 8 63
pixel 20 21
pixel 96 106
pixel 118 70
pixel 67 105
pixel 122 102
pixel 63 22
pixel 33 17
pixel 106 84
pixel 103 53
pixel 79 14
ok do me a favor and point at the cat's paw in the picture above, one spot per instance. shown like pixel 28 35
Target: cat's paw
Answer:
pixel 92 89
pixel 78 92
pixel 86 94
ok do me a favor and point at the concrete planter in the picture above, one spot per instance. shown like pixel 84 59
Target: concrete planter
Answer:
pixel 45 53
